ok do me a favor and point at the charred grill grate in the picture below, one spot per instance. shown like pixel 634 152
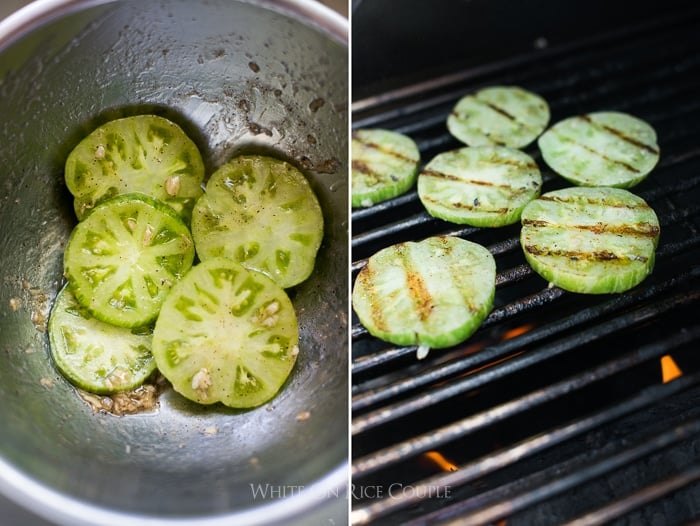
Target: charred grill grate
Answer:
pixel 562 408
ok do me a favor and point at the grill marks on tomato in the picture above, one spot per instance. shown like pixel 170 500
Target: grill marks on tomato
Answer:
pixel 498 116
pixel 361 166
pixel 464 205
pixel 635 230
pixel 591 240
pixel 515 119
pixel 598 153
pixel 366 277
pixel 602 149
pixel 366 169
pixel 416 288
pixel 621 134
pixel 579 255
pixel 501 111
pixel 382 148
pixel 474 205
pixel 420 294
pixel 478 182
pixel 433 292
pixel 384 165
pixel 479 185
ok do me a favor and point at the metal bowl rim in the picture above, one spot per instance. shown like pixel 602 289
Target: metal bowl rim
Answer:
pixel 40 12
pixel 61 509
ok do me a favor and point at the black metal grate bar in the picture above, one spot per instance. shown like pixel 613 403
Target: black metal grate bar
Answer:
pixel 529 447
pixel 422 218
pixel 386 356
pixel 638 499
pixel 516 274
pixel 436 438
pixel 585 473
pixel 499 351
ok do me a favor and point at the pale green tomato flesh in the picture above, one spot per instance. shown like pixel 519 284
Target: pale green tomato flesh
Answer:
pixel 484 186
pixel 590 240
pixel 263 213
pixel 434 293
pixel 125 256
pixel 93 355
pixel 384 165
pixel 499 116
pixel 601 149
pixel 226 334
pixel 140 154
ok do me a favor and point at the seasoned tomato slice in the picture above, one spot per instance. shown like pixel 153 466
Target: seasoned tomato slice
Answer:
pixel 124 257
pixel 94 355
pixel 604 148
pixel 499 116
pixel 226 334
pixel 263 213
pixel 144 154
pixel 384 165
pixel 486 186
pixel 590 240
pixel 433 293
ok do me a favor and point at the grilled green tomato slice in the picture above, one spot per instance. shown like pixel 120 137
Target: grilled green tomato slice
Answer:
pixel 590 240
pixel 144 154
pixel 499 116
pixel 226 334
pixel 384 165
pixel 93 355
pixel 124 257
pixel 433 293
pixel 601 149
pixel 261 212
pixel 486 186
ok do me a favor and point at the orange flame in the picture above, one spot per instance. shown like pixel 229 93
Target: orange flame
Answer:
pixel 441 461
pixel 669 369
pixel 517 331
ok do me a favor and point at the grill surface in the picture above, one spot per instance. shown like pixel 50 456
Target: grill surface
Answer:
pixel 556 410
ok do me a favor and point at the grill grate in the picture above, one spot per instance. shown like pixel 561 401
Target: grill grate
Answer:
pixel 556 410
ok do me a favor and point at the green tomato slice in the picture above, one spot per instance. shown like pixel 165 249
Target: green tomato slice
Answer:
pixel 261 212
pixel 226 334
pixel 601 149
pixel 384 165
pixel 433 293
pixel 141 154
pixel 484 186
pixel 93 355
pixel 590 240
pixel 499 116
pixel 125 256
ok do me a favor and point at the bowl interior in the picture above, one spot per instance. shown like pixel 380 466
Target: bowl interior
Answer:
pixel 238 77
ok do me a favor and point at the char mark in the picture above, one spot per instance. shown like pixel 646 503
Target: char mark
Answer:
pixel 450 177
pixel 502 111
pixel 466 206
pixel 362 168
pixel 621 135
pixel 633 230
pixel 624 164
pixel 593 202
pixel 579 255
pixel 382 148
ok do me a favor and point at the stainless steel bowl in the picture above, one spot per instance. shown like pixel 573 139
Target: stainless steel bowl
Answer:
pixel 267 76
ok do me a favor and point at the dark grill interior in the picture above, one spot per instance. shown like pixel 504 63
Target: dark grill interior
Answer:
pixel 556 410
